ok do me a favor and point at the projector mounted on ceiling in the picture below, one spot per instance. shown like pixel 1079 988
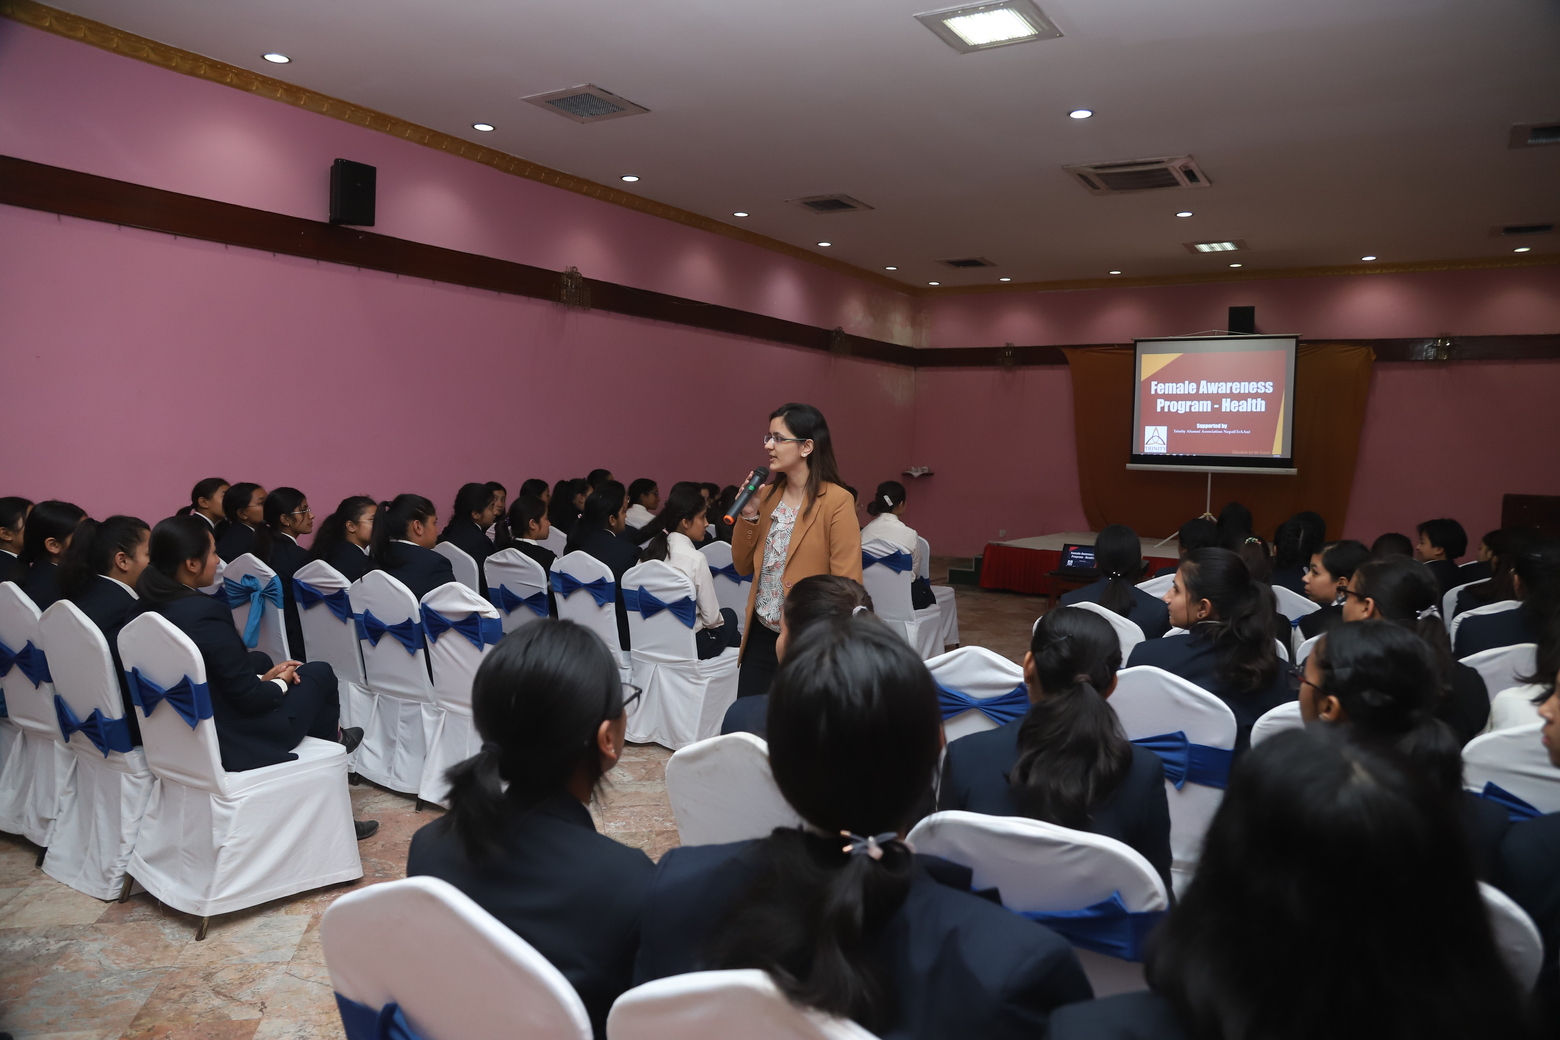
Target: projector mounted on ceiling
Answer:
pixel 587 103
pixel 1119 178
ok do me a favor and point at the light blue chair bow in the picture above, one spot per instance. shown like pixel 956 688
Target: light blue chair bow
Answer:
pixel 105 733
pixel 361 1022
pixel 30 659
pixel 192 700
pixel 481 631
pixel 505 600
pixel 640 599
pixel 1004 709
pixel 898 561
pixel 249 590
pixel 601 590
pixel 729 571
pixel 1515 807
pixel 310 597
pixel 1187 762
pixel 1107 927
pixel 408 633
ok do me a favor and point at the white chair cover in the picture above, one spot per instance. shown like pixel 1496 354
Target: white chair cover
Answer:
pixel 461 563
pixel 513 576
pixel 684 698
pixel 272 634
pixel 215 588
pixel 581 607
pixel 729 592
pixel 1157 587
pixel 1514 707
pixel 1128 632
pixel 394 742
pixel 332 637
pixel 1293 605
pixel 451 733
pixel 1041 867
pixel 1149 702
pixel 101 815
pixel 890 592
pixel 1516 761
pixel 1275 721
pixel 1504 666
pixel 721 1005
pixel 455 971
pixel 1449 601
pixel 39 771
pixel 947 601
pixel 1500 606
pixel 1304 649
pixel 982 675
pixel 556 541
pixel 722 790
pixel 1516 936
pixel 213 841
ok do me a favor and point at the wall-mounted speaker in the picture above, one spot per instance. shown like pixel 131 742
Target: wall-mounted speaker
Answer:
pixel 352 193
pixel 1243 320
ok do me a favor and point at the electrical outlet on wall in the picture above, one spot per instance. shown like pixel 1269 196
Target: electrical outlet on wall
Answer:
pixel 1002 533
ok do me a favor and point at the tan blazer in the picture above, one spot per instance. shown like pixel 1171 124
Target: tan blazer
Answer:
pixel 824 541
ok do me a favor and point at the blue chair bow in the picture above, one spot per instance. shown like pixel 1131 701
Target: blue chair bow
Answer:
pixel 482 631
pixel 601 590
pixel 105 733
pixel 729 571
pixel 1185 761
pixel 30 659
pixel 640 599
pixel 507 601
pixel 192 700
pixel 249 590
pixel 898 561
pixel 1107 927
pixel 1004 709
pixel 361 1022
pixel 309 597
pixel 1515 807
pixel 408 633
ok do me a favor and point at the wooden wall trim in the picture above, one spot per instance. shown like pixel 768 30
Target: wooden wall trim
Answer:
pixel 71 193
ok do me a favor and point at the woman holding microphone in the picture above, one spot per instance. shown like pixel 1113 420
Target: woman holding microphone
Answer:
pixel 803 523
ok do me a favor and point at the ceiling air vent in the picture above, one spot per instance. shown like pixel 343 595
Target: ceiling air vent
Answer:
pixel 1533 135
pixel 831 204
pixel 968 261
pixel 586 104
pixel 1118 178
pixel 1521 229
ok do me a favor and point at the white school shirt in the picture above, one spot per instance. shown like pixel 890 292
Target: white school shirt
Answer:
pixel 638 516
pixel 681 554
pixel 890 528
pixel 122 585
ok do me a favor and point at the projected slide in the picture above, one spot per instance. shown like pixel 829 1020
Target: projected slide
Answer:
pixel 1225 402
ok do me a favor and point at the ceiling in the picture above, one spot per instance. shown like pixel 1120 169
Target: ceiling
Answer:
pixel 1330 129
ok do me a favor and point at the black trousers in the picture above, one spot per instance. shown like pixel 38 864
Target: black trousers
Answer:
pixel 712 642
pixel 313 705
pixel 759 662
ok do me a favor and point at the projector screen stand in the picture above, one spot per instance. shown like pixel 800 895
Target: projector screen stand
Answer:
pixel 1207 507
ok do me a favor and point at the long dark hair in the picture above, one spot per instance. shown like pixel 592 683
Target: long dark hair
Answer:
pixel 1403 589
pixel 1538 565
pixel 560 510
pixel 853 740
pixel 603 504
pixel 281 502
pixel 203 489
pixel 526 510
pixel 93 548
pixel 237 497
pixel 332 531
pixel 392 521
pixel 685 502
pixel 50 518
pixel 1118 555
pixel 538 700
pixel 1322 859
pixel 535 487
pixel 1298 539
pixel 174 540
pixel 1242 625
pixel 1505 546
pixel 1234 525
pixel 807 423
pixel 823 597
pixel 1072 753
pixel 471 498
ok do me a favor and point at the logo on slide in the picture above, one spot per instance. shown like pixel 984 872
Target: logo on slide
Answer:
pixel 1155 440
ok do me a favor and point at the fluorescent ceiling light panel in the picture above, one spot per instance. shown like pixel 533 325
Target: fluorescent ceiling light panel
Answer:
pixel 979 27
pixel 1228 246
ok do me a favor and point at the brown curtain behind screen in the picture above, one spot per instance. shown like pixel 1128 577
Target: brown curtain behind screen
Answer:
pixel 1332 381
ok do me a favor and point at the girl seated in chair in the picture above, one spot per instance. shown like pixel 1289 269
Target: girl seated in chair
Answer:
pixel 1118 556
pixel 287 518
pixel 886 508
pixel 679 527
pixel 344 537
pixel 477 507
pixel 405 532
pixel 244 506
pixel 50 526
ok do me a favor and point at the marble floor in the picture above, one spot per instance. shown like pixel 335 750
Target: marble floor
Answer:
pixel 75 968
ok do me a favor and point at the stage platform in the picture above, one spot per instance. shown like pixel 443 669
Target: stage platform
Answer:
pixel 1021 564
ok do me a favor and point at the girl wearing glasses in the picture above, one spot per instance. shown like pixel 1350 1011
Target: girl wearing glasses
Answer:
pixel 287 517
pixel 803 523
pixel 344 537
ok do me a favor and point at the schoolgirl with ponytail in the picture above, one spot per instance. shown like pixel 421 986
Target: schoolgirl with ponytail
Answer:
pixel 886 507
pixel 98 573
pixel 477 508
pixel 599 532
pixel 1118 556
pixel 344 537
pixel 677 529
pixel 840 912
pixel 206 502
pixel 50 528
pixel 518 839
pixel 405 532
pixel 1067 760
pixel 244 506
pixel 1229 650
pixel 286 518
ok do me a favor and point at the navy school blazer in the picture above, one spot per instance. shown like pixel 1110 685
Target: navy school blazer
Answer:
pixel 234 542
pixel 1195 658
pixel 421 570
pixel 1150 614
pixel 286 557
pixel 350 560
pixel 110 607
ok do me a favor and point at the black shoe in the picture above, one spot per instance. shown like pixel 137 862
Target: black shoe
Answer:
pixel 365 828
pixel 351 738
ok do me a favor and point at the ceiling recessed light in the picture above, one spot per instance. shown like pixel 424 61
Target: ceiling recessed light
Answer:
pixel 1367 258
pixel 1114 272
pixel 825 245
pixel 890 268
pixel 739 213
pixel 1213 247
pixel 934 283
pixel 276 59
pixel 1080 113
pixel 630 178
pixel 976 27
pixel 1004 279
pixel 1235 265
pixel 1521 249
pixel 484 127
pixel 1184 213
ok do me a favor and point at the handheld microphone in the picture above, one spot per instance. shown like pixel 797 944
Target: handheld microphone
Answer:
pixel 752 485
